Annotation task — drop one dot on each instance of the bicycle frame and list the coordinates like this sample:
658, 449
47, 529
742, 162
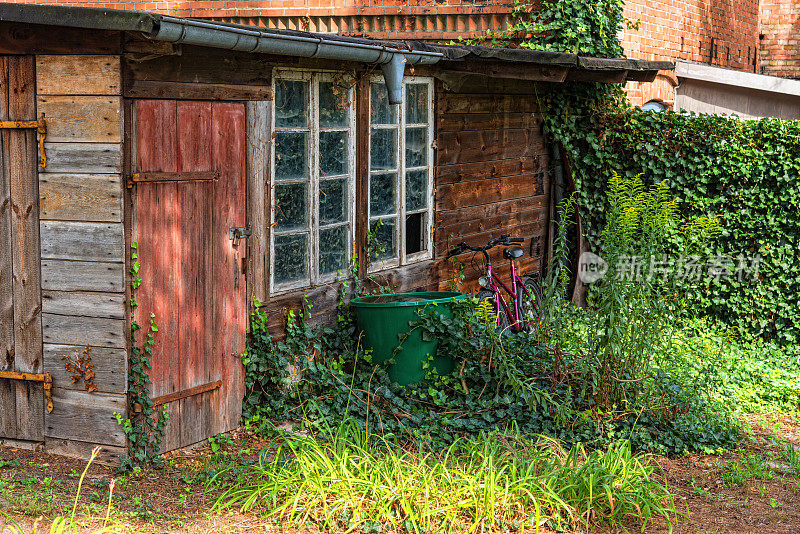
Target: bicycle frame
495, 284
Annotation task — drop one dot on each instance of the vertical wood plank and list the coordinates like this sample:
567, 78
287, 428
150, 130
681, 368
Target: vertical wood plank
362, 171
8, 403
259, 124
229, 316
195, 287
156, 221
23, 165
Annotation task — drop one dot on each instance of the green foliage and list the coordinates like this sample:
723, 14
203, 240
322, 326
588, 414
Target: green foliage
320, 376
585, 27
145, 427
741, 171
747, 375
749, 465
494, 481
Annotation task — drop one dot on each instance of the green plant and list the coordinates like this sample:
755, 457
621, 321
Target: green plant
217, 442
750, 465
145, 426
492, 481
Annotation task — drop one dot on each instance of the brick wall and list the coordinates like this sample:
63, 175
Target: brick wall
780, 41
720, 32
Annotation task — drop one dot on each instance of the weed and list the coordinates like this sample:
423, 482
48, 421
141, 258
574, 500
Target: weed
358, 480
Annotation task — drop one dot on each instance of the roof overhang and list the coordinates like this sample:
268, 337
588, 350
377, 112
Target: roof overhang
760, 82
508, 63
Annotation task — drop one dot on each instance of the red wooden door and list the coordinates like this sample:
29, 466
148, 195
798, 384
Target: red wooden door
192, 276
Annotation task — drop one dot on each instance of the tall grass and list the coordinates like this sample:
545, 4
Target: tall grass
492, 481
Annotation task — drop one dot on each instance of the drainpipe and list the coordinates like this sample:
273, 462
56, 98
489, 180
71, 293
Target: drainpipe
392, 60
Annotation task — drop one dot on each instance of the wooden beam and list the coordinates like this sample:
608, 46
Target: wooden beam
78, 74
195, 91
259, 136
20, 165
22, 38
513, 71
186, 393
362, 172
601, 76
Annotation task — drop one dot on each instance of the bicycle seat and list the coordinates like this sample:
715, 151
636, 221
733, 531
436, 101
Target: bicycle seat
513, 253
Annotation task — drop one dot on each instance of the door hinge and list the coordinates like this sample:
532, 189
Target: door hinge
41, 126
45, 379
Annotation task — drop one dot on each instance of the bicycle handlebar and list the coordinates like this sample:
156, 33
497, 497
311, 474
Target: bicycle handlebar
504, 239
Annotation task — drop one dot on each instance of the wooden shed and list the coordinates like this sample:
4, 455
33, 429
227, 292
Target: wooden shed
243, 163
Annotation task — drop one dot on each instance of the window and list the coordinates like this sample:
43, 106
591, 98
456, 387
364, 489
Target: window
400, 172
654, 105
312, 195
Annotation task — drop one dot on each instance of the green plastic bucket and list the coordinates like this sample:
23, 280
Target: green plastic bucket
384, 321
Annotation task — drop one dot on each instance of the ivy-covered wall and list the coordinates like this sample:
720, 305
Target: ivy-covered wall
746, 172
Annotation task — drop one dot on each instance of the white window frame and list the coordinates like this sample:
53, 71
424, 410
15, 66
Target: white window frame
402, 258
313, 229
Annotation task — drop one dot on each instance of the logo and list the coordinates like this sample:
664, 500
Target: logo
591, 268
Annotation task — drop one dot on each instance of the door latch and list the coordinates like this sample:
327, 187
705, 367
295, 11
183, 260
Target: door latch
235, 234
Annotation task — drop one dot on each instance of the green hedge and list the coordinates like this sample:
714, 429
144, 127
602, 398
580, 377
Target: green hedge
747, 172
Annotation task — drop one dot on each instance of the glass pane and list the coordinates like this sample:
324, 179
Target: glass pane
291, 207
333, 201
416, 190
332, 250
381, 111
291, 104
417, 103
415, 233
385, 240
291, 258
333, 105
332, 153
383, 150
416, 147
382, 194
291, 160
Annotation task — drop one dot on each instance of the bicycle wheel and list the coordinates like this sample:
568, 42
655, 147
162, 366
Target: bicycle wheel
530, 304
502, 319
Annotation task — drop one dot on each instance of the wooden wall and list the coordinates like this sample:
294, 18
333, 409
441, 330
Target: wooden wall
491, 173
83, 249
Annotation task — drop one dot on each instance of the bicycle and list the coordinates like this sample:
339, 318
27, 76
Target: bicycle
526, 314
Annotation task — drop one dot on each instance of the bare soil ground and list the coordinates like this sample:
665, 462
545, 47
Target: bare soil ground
36, 487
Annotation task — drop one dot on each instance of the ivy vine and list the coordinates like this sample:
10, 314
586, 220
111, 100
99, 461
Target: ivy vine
145, 426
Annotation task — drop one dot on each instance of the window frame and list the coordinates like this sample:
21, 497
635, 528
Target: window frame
313, 78
402, 257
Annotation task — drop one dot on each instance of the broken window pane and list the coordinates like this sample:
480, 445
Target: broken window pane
332, 249
386, 241
291, 258
416, 147
291, 206
333, 201
382, 194
332, 153
291, 155
416, 103
333, 105
383, 149
415, 233
291, 104
416, 190
381, 111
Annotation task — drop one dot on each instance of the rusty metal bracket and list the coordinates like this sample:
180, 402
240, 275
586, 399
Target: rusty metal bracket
183, 176
45, 379
178, 395
41, 126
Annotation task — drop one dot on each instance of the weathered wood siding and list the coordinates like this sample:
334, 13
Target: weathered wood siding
21, 402
491, 174
83, 248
